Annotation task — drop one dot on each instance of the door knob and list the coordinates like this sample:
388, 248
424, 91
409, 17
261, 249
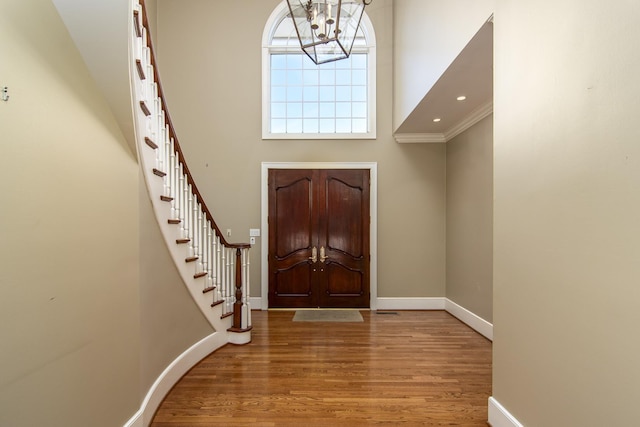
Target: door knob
314, 255
322, 255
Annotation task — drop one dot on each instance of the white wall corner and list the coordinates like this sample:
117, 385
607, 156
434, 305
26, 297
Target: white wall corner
436, 303
471, 319
500, 417
420, 138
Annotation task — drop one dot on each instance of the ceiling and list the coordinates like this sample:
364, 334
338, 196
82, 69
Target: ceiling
471, 75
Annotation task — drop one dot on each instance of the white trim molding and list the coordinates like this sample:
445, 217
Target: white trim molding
440, 138
499, 416
172, 373
474, 117
256, 303
471, 319
420, 138
424, 303
136, 420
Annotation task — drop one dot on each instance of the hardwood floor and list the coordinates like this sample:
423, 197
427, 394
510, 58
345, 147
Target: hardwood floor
413, 368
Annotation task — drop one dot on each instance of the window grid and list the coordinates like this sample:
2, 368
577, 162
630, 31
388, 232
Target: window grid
322, 99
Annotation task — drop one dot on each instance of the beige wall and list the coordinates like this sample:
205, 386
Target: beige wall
170, 321
69, 317
567, 212
213, 90
428, 36
470, 219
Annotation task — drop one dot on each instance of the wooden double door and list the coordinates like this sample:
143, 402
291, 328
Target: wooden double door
319, 238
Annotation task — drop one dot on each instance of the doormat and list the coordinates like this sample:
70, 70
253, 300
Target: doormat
327, 316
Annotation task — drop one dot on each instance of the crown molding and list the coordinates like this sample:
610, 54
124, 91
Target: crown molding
440, 138
474, 117
419, 138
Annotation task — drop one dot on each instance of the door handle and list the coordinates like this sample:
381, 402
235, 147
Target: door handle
314, 255
322, 255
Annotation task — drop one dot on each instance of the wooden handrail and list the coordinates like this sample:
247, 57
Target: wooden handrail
178, 149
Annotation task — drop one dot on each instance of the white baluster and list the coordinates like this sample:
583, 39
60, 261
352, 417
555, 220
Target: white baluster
223, 274
208, 256
189, 215
216, 268
182, 216
175, 193
201, 243
148, 72
167, 162
246, 310
195, 229
230, 282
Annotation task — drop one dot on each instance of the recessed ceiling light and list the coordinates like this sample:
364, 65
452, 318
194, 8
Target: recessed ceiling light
461, 98
437, 119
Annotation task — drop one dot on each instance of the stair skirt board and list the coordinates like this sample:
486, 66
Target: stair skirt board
172, 374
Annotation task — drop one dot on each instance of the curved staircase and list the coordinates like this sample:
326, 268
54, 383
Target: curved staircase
215, 271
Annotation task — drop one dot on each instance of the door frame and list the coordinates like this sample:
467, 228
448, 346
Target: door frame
373, 227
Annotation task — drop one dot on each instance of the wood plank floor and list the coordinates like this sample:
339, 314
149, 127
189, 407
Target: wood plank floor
413, 368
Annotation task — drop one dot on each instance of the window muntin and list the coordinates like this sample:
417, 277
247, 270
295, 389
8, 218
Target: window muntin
326, 99
302, 100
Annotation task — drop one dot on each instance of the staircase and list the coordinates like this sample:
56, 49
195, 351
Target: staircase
215, 271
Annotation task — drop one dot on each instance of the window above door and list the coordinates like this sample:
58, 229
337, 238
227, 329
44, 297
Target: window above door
302, 100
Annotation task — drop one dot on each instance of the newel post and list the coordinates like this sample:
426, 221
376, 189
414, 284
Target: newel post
237, 306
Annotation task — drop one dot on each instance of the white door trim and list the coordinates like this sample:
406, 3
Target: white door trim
373, 230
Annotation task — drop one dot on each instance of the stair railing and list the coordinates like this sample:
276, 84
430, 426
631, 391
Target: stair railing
223, 266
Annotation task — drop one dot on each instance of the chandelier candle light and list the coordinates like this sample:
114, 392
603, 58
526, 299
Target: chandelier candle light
327, 29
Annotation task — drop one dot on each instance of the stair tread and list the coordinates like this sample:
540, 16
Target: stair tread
199, 275
150, 143
140, 69
144, 108
136, 23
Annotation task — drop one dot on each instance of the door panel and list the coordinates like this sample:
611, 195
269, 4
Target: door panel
344, 232
327, 210
290, 246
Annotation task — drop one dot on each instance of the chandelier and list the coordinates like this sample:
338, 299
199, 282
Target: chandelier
327, 29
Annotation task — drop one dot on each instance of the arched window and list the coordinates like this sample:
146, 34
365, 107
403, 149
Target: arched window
302, 100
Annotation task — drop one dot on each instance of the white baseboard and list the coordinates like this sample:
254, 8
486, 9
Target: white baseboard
500, 417
426, 303
471, 319
136, 420
256, 303
172, 374
436, 303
